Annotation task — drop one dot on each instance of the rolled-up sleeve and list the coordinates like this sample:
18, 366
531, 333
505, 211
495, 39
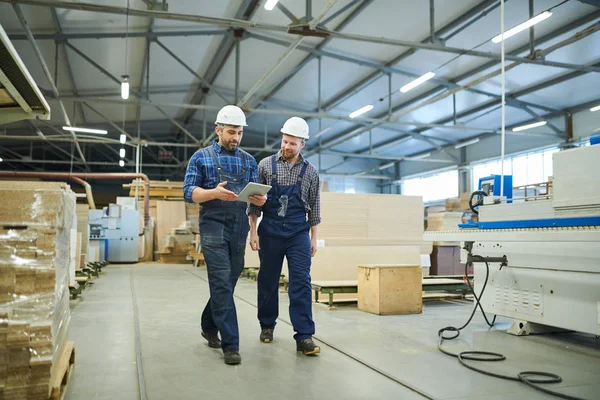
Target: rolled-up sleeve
193, 177
314, 201
256, 176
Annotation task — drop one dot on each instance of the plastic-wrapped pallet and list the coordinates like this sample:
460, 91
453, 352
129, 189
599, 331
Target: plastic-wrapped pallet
35, 222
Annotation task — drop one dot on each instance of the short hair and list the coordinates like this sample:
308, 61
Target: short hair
222, 126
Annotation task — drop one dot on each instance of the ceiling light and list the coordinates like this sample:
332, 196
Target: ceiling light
123, 138
0, 159
361, 111
122, 153
270, 4
121, 163
386, 166
521, 27
321, 132
85, 130
417, 82
419, 157
529, 126
595, 108
467, 143
125, 87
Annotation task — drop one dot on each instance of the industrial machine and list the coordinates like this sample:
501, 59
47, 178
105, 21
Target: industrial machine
543, 255
117, 229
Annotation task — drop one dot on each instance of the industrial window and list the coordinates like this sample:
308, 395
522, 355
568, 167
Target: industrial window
433, 187
526, 169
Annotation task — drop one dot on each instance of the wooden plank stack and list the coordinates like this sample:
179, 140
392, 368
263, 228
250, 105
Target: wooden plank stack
35, 223
363, 229
177, 246
458, 204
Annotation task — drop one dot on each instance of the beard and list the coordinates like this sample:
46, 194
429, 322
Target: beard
231, 145
288, 154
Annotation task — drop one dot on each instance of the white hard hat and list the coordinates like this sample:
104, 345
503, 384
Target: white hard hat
296, 126
231, 115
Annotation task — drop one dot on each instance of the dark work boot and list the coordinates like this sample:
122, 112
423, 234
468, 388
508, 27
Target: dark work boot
266, 335
232, 357
308, 347
213, 339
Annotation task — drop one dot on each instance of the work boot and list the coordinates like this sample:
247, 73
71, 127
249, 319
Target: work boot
232, 357
266, 335
213, 339
308, 347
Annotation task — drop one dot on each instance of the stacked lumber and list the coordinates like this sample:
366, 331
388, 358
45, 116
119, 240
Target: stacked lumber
177, 246
196, 252
444, 221
36, 219
83, 227
158, 189
363, 229
458, 204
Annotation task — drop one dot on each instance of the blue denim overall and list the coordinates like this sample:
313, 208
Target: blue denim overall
284, 232
223, 232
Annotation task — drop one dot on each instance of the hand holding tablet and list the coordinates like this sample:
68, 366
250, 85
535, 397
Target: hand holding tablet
253, 189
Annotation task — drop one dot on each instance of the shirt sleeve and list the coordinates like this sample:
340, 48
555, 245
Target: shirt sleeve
314, 200
193, 177
259, 173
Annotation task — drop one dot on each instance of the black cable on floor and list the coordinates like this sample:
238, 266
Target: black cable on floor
138, 342
360, 361
530, 378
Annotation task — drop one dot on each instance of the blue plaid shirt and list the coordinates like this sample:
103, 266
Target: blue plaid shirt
202, 170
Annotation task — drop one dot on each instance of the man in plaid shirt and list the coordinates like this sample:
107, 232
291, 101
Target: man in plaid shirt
214, 178
292, 211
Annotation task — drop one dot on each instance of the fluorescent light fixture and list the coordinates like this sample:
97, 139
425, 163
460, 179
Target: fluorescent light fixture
122, 153
417, 82
321, 132
521, 27
361, 111
467, 143
386, 166
529, 126
419, 157
123, 138
85, 130
125, 87
270, 4
121, 163
597, 108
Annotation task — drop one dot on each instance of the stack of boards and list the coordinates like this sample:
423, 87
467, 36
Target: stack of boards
363, 229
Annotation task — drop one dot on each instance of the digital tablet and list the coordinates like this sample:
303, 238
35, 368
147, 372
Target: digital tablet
253, 189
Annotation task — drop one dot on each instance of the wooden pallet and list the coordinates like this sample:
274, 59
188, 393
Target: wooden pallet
61, 373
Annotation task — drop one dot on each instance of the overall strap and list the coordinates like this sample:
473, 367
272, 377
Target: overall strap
215, 157
244, 156
302, 172
273, 170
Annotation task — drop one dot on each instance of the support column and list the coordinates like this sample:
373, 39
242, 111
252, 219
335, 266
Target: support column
464, 173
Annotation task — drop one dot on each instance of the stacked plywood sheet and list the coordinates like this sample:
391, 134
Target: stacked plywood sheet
444, 221
458, 204
36, 219
363, 229
177, 246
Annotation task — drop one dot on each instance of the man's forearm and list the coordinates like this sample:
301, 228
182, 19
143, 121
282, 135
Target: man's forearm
200, 195
252, 218
313, 232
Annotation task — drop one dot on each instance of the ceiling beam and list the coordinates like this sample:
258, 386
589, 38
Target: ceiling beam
243, 15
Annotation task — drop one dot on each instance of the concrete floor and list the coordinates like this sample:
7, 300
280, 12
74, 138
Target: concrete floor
177, 364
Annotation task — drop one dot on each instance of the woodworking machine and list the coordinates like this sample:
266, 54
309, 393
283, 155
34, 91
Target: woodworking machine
543, 254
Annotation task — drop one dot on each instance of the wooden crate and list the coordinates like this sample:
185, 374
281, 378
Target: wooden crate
390, 289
